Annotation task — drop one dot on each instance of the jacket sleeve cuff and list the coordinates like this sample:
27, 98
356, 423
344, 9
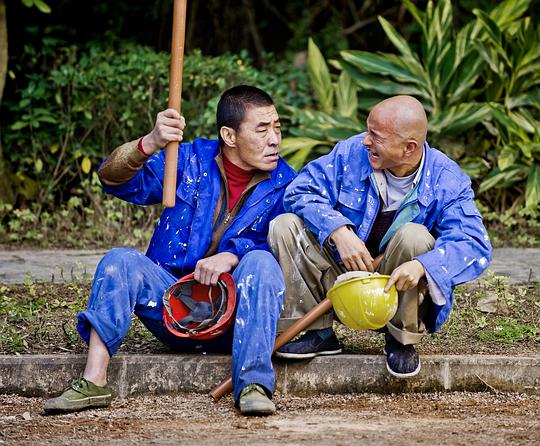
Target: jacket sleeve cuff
434, 291
436, 272
240, 247
336, 222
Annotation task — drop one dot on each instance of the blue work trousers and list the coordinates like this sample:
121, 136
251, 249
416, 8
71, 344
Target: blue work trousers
128, 282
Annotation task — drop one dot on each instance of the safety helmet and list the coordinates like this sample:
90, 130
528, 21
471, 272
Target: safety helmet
197, 311
360, 302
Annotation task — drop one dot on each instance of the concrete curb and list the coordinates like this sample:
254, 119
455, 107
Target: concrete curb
40, 375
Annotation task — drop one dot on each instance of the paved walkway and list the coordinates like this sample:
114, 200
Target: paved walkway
519, 264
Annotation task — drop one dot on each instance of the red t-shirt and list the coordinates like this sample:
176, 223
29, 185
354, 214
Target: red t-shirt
237, 179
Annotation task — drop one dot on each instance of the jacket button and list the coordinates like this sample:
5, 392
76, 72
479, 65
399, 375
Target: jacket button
268, 201
247, 246
205, 174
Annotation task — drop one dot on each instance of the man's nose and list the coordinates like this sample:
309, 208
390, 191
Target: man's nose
366, 141
273, 138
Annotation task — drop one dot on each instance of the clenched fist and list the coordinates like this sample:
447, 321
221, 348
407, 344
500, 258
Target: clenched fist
169, 127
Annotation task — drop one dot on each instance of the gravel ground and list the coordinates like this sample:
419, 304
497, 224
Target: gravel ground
421, 419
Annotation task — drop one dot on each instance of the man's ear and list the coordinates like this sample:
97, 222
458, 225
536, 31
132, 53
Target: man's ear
411, 147
228, 135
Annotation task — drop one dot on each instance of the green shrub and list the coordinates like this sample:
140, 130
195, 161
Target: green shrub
82, 102
479, 85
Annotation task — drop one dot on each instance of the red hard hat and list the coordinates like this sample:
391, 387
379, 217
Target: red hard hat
197, 311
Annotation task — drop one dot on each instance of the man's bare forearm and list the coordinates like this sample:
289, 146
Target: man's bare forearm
122, 165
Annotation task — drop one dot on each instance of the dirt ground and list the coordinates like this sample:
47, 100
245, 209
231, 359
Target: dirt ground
421, 419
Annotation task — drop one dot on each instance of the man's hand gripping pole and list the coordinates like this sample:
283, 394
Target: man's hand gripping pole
175, 98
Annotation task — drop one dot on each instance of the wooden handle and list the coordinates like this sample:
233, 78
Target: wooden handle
175, 98
225, 387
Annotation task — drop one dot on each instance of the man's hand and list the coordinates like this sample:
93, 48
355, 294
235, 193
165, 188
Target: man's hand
352, 250
406, 276
208, 270
169, 127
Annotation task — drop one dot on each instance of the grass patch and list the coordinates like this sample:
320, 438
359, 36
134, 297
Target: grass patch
40, 317
512, 325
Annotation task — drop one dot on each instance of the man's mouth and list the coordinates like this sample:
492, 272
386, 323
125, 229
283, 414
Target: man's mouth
273, 155
373, 155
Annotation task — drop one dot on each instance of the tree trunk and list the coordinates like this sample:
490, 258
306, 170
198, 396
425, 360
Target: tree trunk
6, 189
3, 47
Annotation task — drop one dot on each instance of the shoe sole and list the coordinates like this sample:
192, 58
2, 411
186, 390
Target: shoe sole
306, 355
90, 402
258, 409
403, 375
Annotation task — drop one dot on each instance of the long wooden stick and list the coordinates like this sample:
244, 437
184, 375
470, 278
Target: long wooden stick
175, 98
315, 313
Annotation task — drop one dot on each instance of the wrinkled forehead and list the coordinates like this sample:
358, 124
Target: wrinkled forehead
384, 120
255, 115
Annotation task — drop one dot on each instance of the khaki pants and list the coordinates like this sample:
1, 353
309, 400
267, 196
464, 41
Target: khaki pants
310, 273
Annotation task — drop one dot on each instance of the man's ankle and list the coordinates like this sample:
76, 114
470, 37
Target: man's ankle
98, 380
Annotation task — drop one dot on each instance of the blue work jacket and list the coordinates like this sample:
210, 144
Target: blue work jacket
184, 232
340, 189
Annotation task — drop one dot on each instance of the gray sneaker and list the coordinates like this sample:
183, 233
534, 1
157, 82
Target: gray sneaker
254, 401
81, 394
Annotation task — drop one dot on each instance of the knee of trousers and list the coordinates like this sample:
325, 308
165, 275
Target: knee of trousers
283, 229
121, 256
261, 270
413, 238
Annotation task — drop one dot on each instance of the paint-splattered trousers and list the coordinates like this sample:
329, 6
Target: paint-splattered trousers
310, 272
128, 282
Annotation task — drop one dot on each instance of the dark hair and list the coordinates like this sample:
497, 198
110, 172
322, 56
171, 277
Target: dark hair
233, 104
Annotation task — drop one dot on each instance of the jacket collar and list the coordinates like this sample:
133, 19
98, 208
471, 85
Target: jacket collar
208, 149
425, 187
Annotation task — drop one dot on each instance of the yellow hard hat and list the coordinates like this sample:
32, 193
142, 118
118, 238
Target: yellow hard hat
360, 301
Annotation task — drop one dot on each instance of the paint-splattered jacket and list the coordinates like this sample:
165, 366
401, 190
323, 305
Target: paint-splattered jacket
183, 233
340, 189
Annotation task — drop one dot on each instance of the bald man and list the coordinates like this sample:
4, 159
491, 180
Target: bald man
381, 201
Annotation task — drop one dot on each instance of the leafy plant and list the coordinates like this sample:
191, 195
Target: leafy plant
80, 103
443, 74
314, 132
479, 85
513, 89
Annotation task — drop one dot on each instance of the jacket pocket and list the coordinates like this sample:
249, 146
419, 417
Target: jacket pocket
469, 208
351, 199
352, 205
187, 193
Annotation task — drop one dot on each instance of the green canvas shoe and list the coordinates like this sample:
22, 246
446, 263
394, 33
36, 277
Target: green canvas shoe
254, 401
81, 394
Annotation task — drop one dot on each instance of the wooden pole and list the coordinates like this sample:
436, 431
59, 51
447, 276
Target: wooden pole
175, 98
225, 387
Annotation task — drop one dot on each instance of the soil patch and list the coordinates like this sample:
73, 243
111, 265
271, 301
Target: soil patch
421, 419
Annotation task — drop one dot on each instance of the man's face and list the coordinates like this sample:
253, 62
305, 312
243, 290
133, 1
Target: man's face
386, 147
258, 139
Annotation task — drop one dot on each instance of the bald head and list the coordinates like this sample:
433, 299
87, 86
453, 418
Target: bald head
404, 116
395, 135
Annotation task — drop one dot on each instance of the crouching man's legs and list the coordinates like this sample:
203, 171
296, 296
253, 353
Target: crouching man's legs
260, 291
125, 281
407, 327
309, 273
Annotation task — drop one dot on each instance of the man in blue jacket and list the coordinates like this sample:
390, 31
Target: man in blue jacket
383, 200
227, 193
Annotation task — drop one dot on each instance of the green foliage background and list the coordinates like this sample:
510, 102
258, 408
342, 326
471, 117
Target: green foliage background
477, 72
